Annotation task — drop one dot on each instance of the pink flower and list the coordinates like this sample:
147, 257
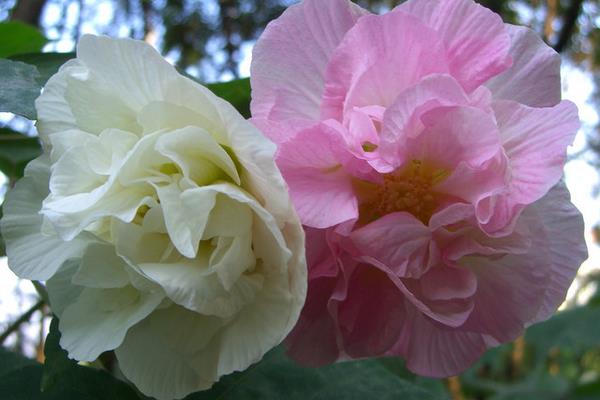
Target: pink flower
424, 150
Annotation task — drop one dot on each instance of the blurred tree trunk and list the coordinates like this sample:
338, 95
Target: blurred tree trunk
28, 11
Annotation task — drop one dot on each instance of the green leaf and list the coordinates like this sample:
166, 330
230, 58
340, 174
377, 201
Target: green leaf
47, 64
276, 377
236, 92
576, 330
57, 361
10, 361
2, 245
16, 150
17, 38
21, 378
19, 87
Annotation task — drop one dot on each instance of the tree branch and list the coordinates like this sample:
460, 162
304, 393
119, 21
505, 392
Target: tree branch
21, 320
568, 26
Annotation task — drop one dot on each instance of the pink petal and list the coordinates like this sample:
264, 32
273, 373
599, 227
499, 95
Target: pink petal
535, 141
313, 341
320, 188
446, 283
534, 78
371, 66
475, 37
399, 241
403, 118
372, 315
453, 135
437, 351
289, 59
561, 241
510, 291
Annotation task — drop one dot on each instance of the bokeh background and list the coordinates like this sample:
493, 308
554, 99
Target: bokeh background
212, 40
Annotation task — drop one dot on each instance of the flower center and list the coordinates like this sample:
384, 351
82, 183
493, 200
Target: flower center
409, 189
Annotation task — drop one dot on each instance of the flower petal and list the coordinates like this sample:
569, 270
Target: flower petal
100, 318
398, 240
371, 66
289, 59
534, 77
436, 351
320, 189
157, 353
535, 141
22, 226
475, 37
373, 304
563, 241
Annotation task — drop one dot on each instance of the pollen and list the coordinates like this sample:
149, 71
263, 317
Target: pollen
410, 189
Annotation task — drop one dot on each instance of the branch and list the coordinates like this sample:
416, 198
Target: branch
21, 320
568, 26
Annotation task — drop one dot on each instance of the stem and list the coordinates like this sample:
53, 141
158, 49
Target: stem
22, 319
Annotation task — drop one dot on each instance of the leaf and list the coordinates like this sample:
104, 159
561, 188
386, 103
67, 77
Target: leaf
17, 38
19, 87
576, 330
10, 361
236, 92
276, 377
61, 378
56, 360
16, 150
47, 64
2, 245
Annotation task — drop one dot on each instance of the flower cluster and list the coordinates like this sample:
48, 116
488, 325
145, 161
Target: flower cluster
423, 149
159, 220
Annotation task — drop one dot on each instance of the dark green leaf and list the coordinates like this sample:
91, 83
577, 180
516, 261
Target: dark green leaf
276, 377
10, 361
19, 87
2, 245
17, 38
47, 64
236, 92
576, 330
16, 150
57, 362
21, 378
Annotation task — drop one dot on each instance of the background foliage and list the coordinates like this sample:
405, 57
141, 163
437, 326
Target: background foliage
210, 40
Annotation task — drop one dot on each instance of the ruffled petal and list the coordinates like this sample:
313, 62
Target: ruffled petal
22, 226
398, 240
371, 66
320, 188
534, 77
563, 241
100, 318
535, 141
289, 59
475, 37
157, 353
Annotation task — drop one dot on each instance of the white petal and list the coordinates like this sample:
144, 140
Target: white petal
199, 156
61, 290
131, 69
101, 268
32, 254
100, 318
53, 112
186, 219
157, 353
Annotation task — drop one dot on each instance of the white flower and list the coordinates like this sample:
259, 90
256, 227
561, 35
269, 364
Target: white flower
159, 220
